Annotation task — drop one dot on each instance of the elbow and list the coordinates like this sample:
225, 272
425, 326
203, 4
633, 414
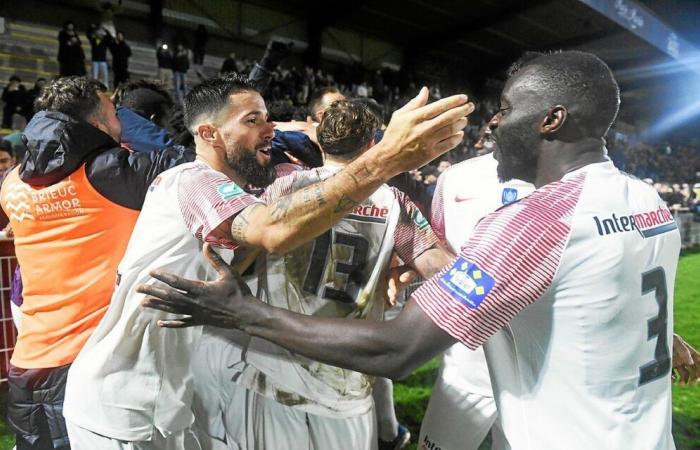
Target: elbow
399, 367
276, 242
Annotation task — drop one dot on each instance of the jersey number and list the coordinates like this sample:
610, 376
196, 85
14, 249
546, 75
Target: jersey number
655, 281
350, 269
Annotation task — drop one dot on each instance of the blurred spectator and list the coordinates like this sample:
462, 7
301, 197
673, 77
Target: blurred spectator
443, 166
164, 57
32, 94
229, 64
71, 58
15, 97
100, 41
201, 36
181, 64
121, 52
7, 156
430, 176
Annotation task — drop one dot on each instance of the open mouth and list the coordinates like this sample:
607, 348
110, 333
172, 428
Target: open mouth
265, 149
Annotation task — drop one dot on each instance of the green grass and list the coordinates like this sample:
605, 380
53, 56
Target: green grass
411, 396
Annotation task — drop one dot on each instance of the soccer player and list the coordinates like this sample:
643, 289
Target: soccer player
461, 410
578, 277
292, 399
131, 384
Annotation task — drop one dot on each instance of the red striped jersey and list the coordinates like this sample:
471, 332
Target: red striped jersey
579, 278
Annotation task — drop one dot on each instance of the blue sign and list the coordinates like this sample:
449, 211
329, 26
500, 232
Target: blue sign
467, 283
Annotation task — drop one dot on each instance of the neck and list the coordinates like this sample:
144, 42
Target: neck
332, 161
560, 158
216, 160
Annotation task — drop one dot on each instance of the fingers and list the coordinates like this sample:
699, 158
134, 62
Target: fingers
177, 282
167, 306
450, 129
216, 261
448, 144
416, 102
448, 117
443, 106
163, 293
408, 276
177, 323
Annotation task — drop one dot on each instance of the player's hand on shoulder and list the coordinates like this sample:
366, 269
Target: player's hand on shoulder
686, 362
398, 279
219, 303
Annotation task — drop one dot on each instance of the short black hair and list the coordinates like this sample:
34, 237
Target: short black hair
576, 78
317, 97
74, 96
6, 146
15, 78
346, 127
212, 95
147, 99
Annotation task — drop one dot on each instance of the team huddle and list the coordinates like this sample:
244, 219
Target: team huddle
556, 333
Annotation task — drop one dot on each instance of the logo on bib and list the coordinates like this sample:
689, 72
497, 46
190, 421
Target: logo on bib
229, 190
420, 220
467, 283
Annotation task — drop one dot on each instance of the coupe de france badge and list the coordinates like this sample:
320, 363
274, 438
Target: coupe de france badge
467, 283
229, 190
509, 195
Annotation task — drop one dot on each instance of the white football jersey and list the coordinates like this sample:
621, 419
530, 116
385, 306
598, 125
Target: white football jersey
579, 277
133, 377
465, 193
336, 275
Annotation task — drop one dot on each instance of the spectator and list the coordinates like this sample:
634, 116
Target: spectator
15, 97
71, 58
181, 64
121, 52
164, 56
229, 65
201, 36
100, 41
443, 166
32, 95
7, 156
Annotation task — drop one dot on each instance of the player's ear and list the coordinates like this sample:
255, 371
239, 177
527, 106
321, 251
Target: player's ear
554, 120
206, 132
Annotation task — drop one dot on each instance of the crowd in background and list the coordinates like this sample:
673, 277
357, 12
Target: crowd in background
673, 169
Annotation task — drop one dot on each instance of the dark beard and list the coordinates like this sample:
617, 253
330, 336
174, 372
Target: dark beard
520, 161
248, 167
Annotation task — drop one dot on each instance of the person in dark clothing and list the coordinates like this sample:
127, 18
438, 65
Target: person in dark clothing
164, 57
229, 65
71, 58
201, 36
181, 64
32, 95
74, 154
121, 52
14, 95
100, 40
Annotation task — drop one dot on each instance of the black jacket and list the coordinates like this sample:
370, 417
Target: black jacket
58, 145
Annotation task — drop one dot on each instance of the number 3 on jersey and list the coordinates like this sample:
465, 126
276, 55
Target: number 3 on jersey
348, 269
655, 281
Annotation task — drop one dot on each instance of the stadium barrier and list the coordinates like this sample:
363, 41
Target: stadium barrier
8, 262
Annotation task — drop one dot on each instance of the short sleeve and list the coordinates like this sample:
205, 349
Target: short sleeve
507, 264
208, 202
413, 234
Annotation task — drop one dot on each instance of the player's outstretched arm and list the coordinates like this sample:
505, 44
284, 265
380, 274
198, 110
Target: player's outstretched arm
391, 349
418, 133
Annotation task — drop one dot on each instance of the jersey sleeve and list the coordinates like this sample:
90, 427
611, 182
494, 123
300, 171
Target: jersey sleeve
507, 264
287, 184
208, 202
413, 234
437, 208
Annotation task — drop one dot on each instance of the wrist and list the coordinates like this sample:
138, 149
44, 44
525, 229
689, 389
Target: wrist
380, 162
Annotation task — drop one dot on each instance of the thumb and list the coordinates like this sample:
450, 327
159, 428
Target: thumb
222, 269
408, 276
416, 102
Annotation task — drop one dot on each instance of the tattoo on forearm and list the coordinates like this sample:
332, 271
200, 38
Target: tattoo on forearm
318, 194
344, 204
239, 226
282, 206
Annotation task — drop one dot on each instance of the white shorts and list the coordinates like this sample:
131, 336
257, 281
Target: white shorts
457, 420
255, 422
83, 439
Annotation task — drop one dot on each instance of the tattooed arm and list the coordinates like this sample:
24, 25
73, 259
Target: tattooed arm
417, 134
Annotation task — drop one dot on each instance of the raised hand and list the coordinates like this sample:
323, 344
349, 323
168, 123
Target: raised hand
217, 303
420, 132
